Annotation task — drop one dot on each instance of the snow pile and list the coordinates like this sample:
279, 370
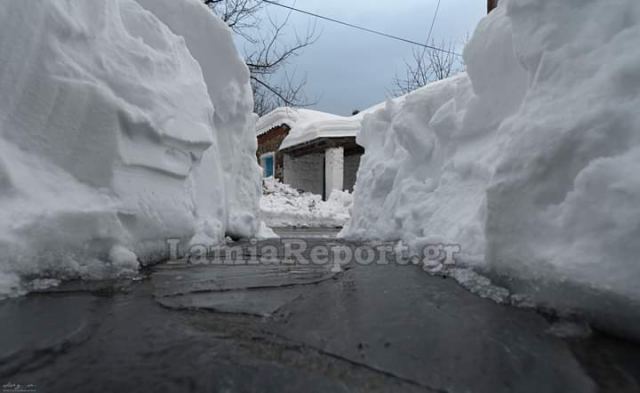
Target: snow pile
109, 141
398, 190
528, 162
283, 206
227, 80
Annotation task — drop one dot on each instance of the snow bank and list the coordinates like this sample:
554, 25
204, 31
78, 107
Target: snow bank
227, 80
528, 162
406, 150
109, 142
283, 206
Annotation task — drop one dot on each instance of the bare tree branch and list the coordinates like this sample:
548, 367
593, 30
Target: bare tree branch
288, 92
268, 52
427, 66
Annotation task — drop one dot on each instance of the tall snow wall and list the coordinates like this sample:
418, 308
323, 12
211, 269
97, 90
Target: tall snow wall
118, 131
528, 161
227, 80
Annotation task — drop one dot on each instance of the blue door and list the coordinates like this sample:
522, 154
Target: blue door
267, 165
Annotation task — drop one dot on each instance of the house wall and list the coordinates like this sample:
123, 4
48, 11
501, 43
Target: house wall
324, 165
351, 165
270, 142
305, 172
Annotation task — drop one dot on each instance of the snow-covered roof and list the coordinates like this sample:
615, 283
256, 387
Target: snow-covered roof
307, 125
290, 117
338, 127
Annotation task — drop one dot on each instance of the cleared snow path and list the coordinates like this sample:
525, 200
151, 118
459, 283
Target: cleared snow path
283, 327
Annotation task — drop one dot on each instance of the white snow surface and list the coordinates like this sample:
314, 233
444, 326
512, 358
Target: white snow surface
290, 116
529, 161
112, 139
227, 80
283, 206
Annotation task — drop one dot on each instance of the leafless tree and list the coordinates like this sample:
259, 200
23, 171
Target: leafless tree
426, 66
266, 52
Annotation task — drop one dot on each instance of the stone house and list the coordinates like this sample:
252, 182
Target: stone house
269, 157
311, 151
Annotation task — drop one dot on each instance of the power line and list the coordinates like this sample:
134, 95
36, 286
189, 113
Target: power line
393, 37
433, 22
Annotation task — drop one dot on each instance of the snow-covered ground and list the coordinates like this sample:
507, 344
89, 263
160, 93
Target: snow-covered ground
283, 206
529, 161
119, 128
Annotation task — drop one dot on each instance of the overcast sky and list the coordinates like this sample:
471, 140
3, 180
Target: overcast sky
349, 69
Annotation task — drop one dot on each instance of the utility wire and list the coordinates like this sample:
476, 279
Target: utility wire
426, 46
433, 22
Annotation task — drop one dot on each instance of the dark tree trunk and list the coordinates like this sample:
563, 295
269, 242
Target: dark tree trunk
491, 4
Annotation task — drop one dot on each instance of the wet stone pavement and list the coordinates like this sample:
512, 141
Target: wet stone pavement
287, 327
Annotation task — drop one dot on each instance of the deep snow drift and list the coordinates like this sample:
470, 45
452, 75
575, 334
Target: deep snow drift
283, 206
529, 162
227, 80
112, 140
